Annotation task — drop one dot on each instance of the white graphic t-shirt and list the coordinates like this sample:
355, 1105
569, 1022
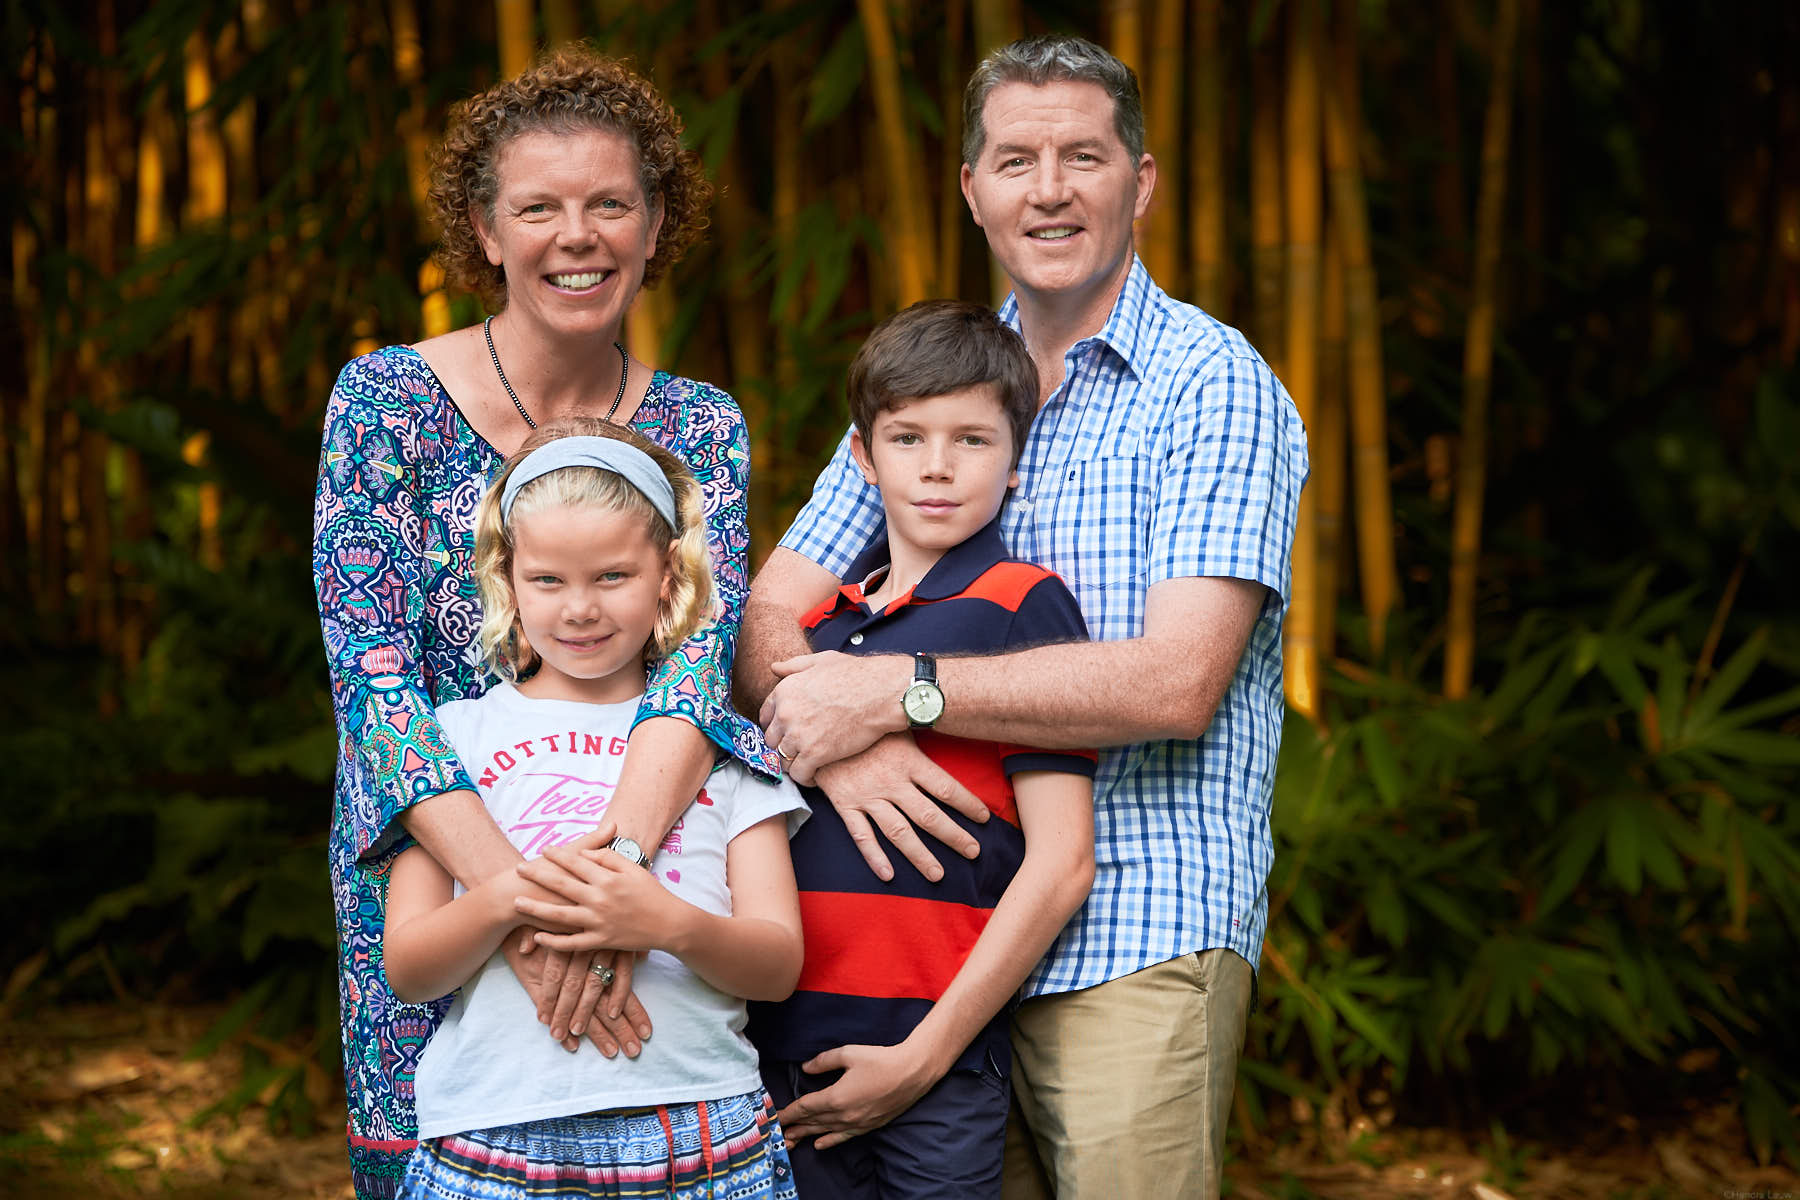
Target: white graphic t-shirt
546, 769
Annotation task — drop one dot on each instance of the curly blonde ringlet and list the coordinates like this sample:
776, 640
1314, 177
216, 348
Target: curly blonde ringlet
690, 600
569, 89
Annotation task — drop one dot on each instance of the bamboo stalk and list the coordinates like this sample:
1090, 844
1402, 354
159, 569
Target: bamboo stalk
1304, 218
561, 22
1159, 230
14, 380
1327, 440
1125, 32
1478, 362
1446, 181
997, 23
785, 202
1267, 257
1206, 164
516, 22
1376, 571
746, 334
44, 508
951, 218
205, 204
909, 240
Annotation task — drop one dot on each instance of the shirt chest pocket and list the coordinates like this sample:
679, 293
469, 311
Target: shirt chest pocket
1091, 527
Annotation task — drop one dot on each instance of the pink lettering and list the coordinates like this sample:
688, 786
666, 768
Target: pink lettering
551, 738
526, 747
591, 744
503, 760
617, 746
488, 778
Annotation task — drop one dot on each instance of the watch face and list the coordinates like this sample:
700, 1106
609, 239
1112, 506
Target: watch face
630, 849
924, 702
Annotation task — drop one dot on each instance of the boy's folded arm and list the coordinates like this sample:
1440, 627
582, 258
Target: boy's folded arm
1056, 812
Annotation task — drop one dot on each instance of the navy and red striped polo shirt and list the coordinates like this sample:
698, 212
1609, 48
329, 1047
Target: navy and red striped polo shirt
879, 955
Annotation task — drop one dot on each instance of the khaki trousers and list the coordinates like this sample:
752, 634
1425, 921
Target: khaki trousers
1124, 1089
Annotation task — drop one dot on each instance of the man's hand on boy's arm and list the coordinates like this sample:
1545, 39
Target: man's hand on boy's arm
892, 787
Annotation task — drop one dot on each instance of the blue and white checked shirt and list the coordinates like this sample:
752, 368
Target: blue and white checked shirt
1170, 451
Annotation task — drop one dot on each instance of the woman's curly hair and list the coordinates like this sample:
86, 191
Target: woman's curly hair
569, 89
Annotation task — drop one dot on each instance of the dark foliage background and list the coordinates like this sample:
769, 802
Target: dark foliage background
1517, 906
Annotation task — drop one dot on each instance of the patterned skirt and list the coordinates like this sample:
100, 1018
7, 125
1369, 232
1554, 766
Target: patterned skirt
715, 1150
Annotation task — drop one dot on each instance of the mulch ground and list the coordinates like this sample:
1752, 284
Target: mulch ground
102, 1102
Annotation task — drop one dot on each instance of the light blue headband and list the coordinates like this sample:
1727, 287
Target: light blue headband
607, 454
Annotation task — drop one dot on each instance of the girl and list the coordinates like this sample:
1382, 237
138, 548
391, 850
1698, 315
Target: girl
591, 559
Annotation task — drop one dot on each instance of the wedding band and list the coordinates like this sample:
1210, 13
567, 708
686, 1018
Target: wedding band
603, 974
784, 752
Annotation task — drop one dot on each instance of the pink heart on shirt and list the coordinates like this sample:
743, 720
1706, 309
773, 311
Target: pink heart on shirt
672, 875
703, 798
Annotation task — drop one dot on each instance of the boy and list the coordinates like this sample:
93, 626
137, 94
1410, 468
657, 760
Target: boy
896, 1035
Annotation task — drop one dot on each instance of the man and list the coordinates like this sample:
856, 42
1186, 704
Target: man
1161, 481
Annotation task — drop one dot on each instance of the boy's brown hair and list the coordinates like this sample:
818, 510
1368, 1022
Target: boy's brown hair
940, 346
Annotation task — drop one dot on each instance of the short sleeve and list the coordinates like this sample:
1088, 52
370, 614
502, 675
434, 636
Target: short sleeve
1046, 614
367, 559
842, 517
1229, 475
693, 682
755, 799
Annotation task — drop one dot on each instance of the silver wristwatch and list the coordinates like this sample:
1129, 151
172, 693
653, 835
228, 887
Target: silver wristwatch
923, 699
633, 852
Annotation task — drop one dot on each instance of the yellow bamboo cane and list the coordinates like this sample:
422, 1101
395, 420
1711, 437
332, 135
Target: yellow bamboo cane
1159, 232
747, 321
909, 241
205, 205
1327, 441
1267, 253
1206, 163
1368, 400
951, 218
1304, 217
997, 23
515, 21
1478, 362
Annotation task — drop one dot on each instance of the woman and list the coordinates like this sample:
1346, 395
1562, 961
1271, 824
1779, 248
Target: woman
559, 194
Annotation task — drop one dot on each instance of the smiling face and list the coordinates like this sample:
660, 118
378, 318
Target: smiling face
944, 464
1056, 191
571, 228
588, 583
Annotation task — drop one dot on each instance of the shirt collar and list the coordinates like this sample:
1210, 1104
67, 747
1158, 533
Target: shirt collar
1124, 330
950, 576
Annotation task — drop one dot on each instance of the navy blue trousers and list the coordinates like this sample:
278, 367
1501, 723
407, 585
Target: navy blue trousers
950, 1145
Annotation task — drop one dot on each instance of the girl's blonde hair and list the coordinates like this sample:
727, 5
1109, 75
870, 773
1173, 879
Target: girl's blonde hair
690, 599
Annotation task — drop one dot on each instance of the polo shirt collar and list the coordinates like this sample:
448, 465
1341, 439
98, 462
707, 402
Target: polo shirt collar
1124, 330
950, 576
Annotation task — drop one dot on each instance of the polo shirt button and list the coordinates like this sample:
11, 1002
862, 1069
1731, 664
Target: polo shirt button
856, 639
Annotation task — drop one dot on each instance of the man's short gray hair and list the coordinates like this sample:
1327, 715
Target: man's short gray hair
1054, 59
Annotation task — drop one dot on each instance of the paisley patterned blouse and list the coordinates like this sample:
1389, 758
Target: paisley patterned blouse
400, 476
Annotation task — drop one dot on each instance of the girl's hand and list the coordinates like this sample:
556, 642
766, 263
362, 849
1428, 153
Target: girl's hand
614, 904
879, 1083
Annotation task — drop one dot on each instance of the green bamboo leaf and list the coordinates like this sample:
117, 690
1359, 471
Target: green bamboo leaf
1519, 684
1630, 599
837, 77
1624, 853
1671, 689
1384, 767
1757, 747
1575, 845
1372, 1030
1728, 679
1779, 705
1387, 915
1446, 908
1616, 663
